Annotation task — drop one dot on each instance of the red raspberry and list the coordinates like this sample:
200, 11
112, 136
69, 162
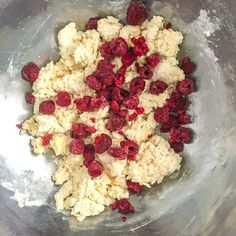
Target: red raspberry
114, 205
121, 133
93, 119
63, 99
30, 72
180, 135
131, 102
162, 115
119, 153
133, 116
134, 187
173, 122
119, 80
140, 110
178, 147
123, 218
76, 146
124, 112
115, 106
157, 87
29, 98
92, 23
106, 92
129, 58
187, 66
168, 25
118, 94
47, 107
103, 143
186, 86
98, 102
115, 122
80, 130
105, 51
140, 46
131, 146
153, 60
177, 102
89, 154
137, 85
93, 83
83, 104
46, 139
108, 79
95, 168
136, 13
104, 67
122, 70
145, 72
118, 46
124, 206
184, 118
182, 104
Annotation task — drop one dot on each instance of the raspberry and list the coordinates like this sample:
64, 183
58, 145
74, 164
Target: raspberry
153, 60
145, 72
121, 133
29, 98
93, 83
118, 94
129, 58
136, 13
140, 46
46, 139
118, 46
105, 51
167, 26
123, 218
98, 102
173, 122
124, 112
139, 110
76, 146
124, 206
122, 70
95, 168
103, 143
182, 103
104, 67
63, 99
114, 106
106, 92
187, 66
130, 102
83, 104
178, 147
131, 158
137, 85
93, 119
115, 122
114, 205
119, 153
107, 79
133, 116
47, 107
180, 135
177, 102
119, 80
80, 130
184, 118
186, 86
134, 187
157, 87
89, 154
162, 115
30, 72
131, 146
92, 23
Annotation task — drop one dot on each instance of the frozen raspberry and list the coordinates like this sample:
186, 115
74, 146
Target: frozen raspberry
187, 66
118, 46
123, 218
129, 58
137, 85
139, 110
114, 105
131, 146
122, 70
119, 153
106, 92
133, 117
131, 102
140, 46
83, 104
118, 94
63, 99
157, 87
106, 51
108, 79
124, 112
29, 98
30, 72
180, 135
92, 23
93, 83
98, 102
89, 154
173, 122
95, 168
124, 206
47, 107
136, 13
186, 86
134, 187
178, 147
76, 146
104, 67
162, 115
115, 122
145, 72
119, 80
184, 118
46, 139
167, 26
103, 143
80, 130
153, 60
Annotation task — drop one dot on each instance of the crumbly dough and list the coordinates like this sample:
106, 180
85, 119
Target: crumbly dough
81, 194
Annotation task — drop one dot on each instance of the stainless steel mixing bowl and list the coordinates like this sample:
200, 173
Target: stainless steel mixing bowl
199, 200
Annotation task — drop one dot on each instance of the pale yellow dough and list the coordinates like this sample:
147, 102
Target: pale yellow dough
79, 51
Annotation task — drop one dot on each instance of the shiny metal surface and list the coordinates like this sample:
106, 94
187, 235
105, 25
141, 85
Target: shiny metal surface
200, 200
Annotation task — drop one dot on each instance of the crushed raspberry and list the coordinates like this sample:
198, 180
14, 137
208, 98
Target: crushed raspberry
114, 205
103, 143
187, 66
106, 52
119, 153
92, 23
122, 70
168, 25
184, 118
186, 86
140, 46
145, 72
47, 107
108, 79
123, 218
114, 105
63, 99
98, 102
115, 122
178, 147
46, 139
134, 187
180, 135
153, 60
133, 116
124, 112
136, 13
119, 80
139, 110
29, 98
19, 126
80, 130
162, 115
106, 92
124, 206
121, 133
83, 104
131, 102
137, 85
30, 72
89, 154
131, 146
129, 58
93, 119
118, 46
118, 94
157, 87
104, 67
93, 83
76, 146
131, 158
95, 168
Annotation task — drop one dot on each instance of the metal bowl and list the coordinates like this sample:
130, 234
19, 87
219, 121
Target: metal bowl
199, 200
